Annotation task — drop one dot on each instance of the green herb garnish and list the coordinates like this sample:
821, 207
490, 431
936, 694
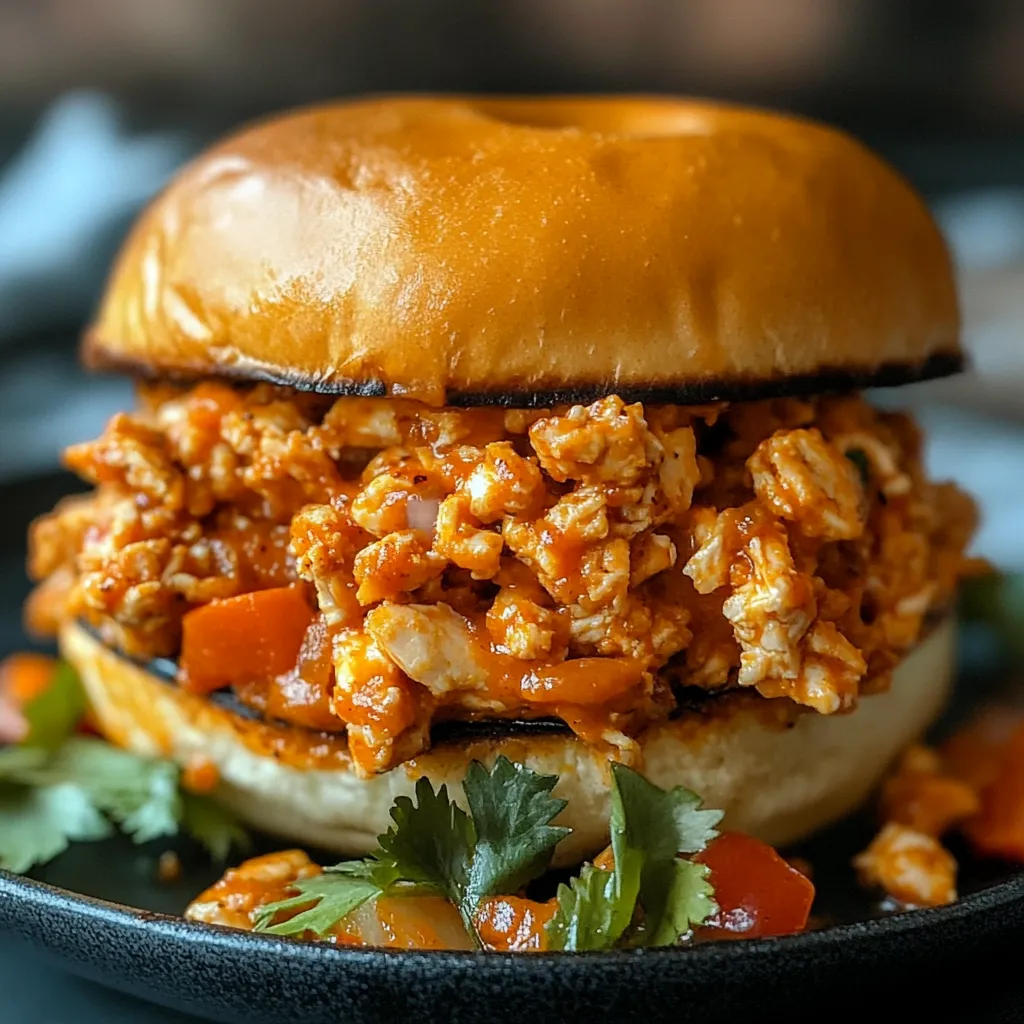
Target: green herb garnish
506, 840
57, 787
434, 847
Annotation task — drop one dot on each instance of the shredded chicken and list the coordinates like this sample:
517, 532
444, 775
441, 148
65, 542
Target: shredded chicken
913, 868
921, 801
791, 546
233, 900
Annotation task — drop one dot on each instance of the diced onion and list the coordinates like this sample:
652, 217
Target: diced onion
421, 514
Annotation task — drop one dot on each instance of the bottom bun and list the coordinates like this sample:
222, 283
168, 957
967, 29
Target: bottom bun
779, 772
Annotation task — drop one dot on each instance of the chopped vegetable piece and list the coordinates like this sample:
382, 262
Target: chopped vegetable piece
757, 892
512, 924
55, 710
320, 902
38, 824
24, 676
650, 827
512, 808
420, 922
13, 724
591, 913
212, 825
237, 899
56, 786
200, 775
435, 847
976, 752
998, 828
251, 636
922, 796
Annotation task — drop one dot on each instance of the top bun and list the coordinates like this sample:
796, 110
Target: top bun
524, 251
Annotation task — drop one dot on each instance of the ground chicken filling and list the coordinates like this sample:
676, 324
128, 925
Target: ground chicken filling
582, 562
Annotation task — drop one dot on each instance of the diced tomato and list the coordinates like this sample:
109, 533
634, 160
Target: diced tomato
24, 676
513, 925
998, 828
251, 636
976, 752
757, 892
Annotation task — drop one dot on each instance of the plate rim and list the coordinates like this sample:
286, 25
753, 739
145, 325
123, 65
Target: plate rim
21, 889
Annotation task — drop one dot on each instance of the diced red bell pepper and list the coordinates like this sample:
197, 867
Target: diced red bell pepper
252, 636
757, 892
998, 828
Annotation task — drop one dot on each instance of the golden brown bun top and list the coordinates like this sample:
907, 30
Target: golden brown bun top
509, 249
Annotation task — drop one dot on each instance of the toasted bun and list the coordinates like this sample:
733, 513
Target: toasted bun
779, 773
527, 250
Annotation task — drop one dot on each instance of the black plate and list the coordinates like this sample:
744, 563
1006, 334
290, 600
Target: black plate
856, 953
233, 976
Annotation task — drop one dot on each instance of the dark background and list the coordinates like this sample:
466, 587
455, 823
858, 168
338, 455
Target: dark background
100, 100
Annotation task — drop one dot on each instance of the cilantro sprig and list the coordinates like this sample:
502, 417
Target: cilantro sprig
651, 896
435, 847
57, 787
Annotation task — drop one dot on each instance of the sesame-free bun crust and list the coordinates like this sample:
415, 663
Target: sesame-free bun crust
778, 772
522, 250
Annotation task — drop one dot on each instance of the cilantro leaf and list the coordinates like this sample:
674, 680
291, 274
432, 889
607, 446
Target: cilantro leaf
430, 842
38, 824
54, 713
17, 761
333, 895
212, 825
139, 793
650, 827
512, 808
588, 914
690, 902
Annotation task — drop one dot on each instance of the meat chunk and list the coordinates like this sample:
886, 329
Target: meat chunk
431, 644
504, 483
233, 901
460, 539
523, 628
651, 553
131, 455
399, 562
324, 543
911, 867
803, 478
924, 797
376, 700
607, 442
770, 610
679, 473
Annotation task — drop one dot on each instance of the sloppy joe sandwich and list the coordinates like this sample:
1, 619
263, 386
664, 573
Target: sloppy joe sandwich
470, 427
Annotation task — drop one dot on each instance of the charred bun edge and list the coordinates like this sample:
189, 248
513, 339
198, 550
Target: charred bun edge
778, 774
690, 700
699, 392
166, 669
